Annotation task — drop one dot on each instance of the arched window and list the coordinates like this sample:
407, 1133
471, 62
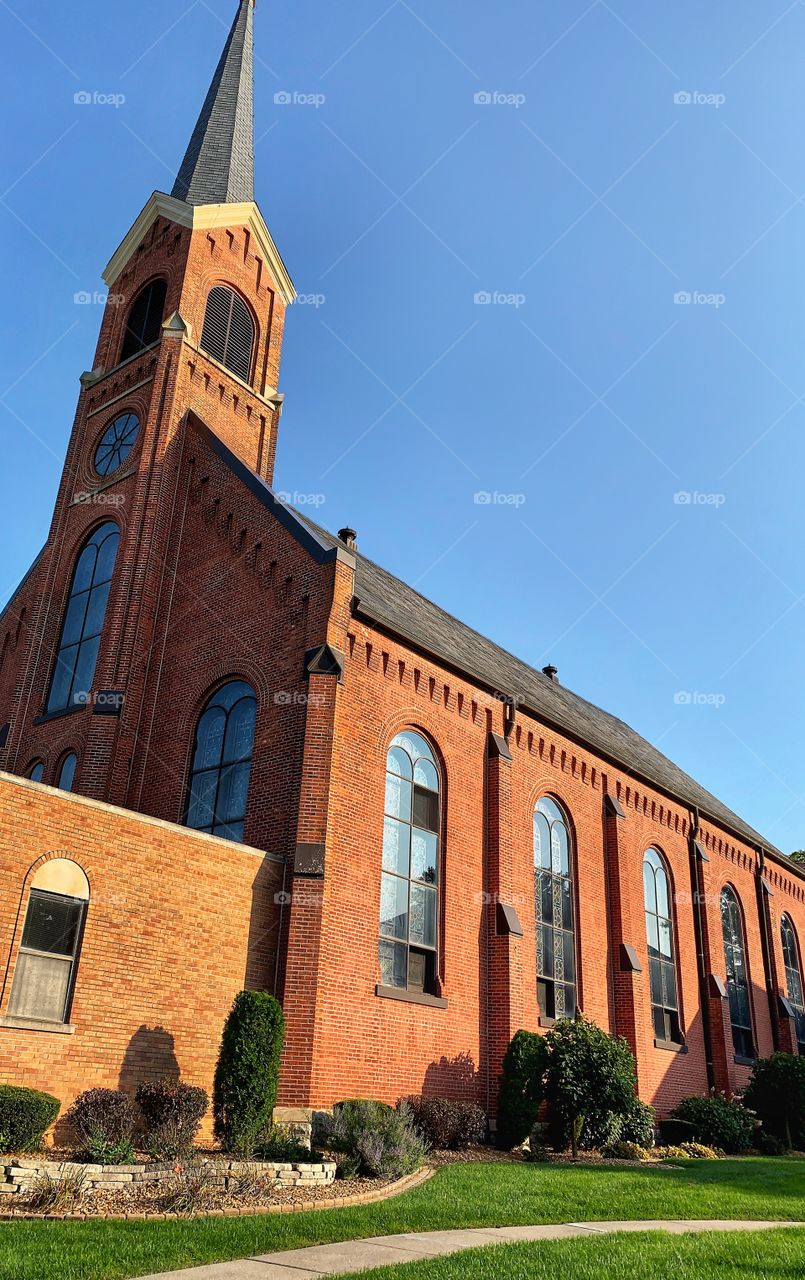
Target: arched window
67, 772
228, 333
553, 903
83, 620
409, 888
36, 771
661, 948
737, 976
116, 443
145, 319
44, 975
222, 762
793, 978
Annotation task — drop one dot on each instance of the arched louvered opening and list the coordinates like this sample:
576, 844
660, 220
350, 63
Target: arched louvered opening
228, 333
145, 319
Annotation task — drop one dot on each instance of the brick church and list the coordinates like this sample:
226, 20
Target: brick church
236, 752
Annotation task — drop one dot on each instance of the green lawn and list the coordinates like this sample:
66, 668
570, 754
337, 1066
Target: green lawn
763, 1255
462, 1195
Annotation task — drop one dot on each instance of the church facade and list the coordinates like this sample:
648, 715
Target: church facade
236, 752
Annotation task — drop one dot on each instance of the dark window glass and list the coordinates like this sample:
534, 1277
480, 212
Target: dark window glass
409, 892
553, 906
737, 977
116, 443
45, 968
83, 620
67, 772
145, 319
793, 979
661, 950
222, 762
37, 771
228, 332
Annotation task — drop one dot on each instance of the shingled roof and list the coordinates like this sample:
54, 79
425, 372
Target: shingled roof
218, 167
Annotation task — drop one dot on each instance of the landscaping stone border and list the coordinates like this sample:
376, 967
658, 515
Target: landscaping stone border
337, 1202
19, 1174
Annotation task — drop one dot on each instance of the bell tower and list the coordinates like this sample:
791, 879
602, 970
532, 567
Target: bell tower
192, 330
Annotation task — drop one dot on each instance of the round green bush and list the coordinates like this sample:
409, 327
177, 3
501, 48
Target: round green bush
776, 1093
103, 1120
589, 1081
25, 1117
173, 1112
247, 1074
719, 1122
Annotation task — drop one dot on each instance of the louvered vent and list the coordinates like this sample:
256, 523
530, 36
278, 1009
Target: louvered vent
228, 333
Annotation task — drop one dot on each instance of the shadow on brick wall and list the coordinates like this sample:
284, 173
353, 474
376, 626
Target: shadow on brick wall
150, 1055
452, 1078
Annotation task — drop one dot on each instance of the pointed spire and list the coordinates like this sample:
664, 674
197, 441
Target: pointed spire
218, 167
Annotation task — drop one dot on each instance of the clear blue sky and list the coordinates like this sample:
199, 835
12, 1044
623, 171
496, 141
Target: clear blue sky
584, 191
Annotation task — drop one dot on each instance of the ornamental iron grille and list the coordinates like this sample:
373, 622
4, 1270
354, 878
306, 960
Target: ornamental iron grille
84, 616
116, 443
222, 762
553, 903
793, 979
409, 883
737, 977
661, 949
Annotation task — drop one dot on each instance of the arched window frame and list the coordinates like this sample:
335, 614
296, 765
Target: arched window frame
792, 961
410, 902
555, 911
67, 771
149, 331
52, 934
76, 659
739, 987
222, 351
658, 901
36, 771
219, 780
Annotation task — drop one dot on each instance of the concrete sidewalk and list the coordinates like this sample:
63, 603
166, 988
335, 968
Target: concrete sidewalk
382, 1251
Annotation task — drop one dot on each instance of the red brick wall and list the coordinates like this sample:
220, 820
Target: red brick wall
177, 924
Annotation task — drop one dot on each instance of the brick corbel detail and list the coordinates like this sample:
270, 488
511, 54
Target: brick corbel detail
505, 942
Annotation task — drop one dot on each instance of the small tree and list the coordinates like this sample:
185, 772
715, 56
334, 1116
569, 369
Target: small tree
776, 1093
521, 1088
587, 1073
247, 1075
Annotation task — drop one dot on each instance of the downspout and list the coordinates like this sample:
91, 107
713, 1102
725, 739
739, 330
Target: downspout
765, 943
697, 889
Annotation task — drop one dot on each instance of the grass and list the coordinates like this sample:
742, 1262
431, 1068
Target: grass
460, 1195
764, 1255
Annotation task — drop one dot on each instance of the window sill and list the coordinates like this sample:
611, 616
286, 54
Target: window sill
544, 1021
47, 716
410, 997
741, 1061
38, 1024
670, 1046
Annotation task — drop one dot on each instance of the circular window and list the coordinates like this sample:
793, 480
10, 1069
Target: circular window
116, 443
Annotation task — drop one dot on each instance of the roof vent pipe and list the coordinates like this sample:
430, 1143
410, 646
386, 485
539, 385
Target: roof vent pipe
349, 538
552, 673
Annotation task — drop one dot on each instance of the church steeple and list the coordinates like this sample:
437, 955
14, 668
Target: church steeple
218, 167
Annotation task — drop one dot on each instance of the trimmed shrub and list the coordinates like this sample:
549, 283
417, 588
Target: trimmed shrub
589, 1079
674, 1132
629, 1151
25, 1117
521, 1089
278, 1144
103, 1121
776, 1093
375, 1140
246, 1078
172, 1112
638, 1125
448, 1125
718, 1122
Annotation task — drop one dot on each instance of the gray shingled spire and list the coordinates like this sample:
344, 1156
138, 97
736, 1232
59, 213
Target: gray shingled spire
218, 167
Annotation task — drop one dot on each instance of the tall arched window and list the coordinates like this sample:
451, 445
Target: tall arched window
661, 949
222, 762
44, 975
228, 333
67, 772
145, 319
743, 1038
83, 620
553, 901
793, 978
36, 771
409, 889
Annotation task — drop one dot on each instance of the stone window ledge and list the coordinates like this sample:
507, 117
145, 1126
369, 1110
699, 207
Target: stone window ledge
410, 997
671, 1046
38, 1024
741, 1061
